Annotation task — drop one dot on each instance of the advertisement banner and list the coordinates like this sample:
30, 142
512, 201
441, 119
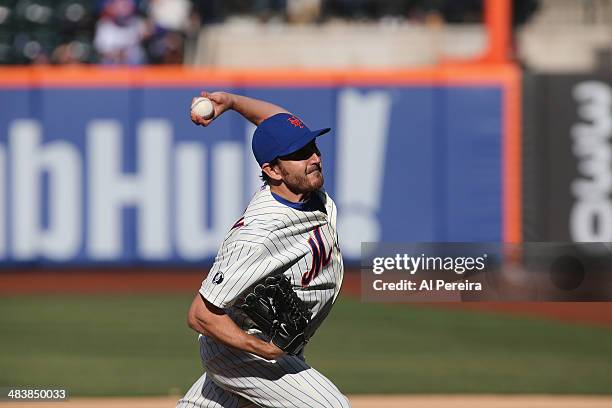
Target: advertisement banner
119, 174
572, 161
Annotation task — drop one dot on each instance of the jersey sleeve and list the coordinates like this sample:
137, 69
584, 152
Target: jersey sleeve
239, 266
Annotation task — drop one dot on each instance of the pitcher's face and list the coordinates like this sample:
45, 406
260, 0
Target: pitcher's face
302, 170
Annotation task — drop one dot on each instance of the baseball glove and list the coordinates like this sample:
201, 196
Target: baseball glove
279, 312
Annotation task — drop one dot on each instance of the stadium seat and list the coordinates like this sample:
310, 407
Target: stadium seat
81, 48
34, 14
31, 46
6, 47
74, 14
7, 14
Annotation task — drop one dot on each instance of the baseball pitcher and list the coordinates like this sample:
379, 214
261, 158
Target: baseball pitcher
275, 278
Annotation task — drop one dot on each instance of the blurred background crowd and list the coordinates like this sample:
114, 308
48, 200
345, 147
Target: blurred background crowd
95, 31
547, 34
138, 32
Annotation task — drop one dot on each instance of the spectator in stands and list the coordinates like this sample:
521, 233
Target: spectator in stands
173, 21
119, 34
211, 11
303, 11
269, 10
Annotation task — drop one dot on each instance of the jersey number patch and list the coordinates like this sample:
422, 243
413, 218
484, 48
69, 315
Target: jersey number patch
320, 257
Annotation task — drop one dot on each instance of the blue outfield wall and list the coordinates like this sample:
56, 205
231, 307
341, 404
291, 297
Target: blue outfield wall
122, 176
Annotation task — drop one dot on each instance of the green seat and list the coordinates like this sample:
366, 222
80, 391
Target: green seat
7, 14
28, 45
81, 47
35, 14
7, 55
74, 14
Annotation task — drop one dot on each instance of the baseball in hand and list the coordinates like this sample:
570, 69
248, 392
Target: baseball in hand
203, 107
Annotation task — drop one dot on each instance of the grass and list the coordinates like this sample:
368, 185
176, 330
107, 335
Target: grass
119, 345
139, 345
396, 348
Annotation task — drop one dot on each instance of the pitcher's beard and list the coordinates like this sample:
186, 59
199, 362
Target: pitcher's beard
306, 183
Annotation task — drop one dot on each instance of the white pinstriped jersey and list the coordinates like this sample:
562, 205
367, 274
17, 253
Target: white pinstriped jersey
272, 237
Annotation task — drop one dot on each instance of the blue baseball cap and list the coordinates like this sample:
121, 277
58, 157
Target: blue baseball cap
280, 135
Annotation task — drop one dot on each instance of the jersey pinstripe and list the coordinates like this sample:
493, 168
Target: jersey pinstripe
237, 379
273, 238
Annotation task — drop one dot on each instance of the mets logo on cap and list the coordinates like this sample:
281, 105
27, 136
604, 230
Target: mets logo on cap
296, 122
280, 135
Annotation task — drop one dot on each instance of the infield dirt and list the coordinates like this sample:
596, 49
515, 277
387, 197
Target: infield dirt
362, 401
164, 280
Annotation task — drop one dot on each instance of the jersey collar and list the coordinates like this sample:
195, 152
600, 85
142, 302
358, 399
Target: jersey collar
312, 204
